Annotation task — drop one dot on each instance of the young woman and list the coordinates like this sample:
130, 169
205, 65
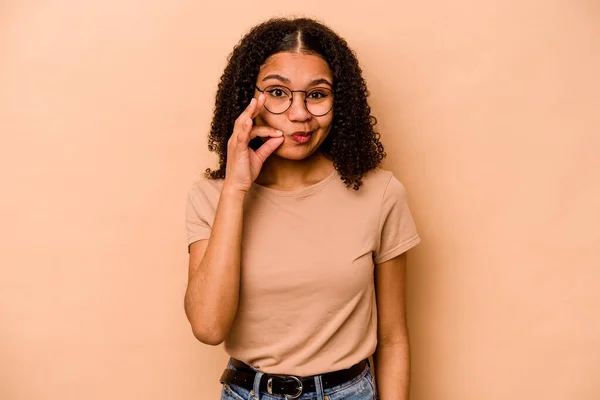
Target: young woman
297, 242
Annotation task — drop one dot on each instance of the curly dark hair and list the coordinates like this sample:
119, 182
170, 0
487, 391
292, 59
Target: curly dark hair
352, 142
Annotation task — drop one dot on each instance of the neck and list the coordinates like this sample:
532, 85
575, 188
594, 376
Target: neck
285, 174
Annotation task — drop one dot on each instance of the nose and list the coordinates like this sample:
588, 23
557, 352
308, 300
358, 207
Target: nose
298, 111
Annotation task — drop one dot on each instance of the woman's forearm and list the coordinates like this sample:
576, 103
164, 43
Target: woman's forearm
392, 370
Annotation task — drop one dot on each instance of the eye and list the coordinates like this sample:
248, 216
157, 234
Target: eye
317, 95
277, 92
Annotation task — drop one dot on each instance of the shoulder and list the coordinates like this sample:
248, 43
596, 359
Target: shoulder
382, 179
384, 187
205, 192
206, 187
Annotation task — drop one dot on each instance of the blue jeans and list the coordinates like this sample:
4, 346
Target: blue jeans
361, 387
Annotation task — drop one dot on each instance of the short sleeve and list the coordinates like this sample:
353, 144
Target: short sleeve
397, 231
197, 225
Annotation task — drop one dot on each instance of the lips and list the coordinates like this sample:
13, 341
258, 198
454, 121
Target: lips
301, 137
301, 133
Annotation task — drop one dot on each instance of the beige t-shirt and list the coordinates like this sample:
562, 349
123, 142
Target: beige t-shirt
307, 300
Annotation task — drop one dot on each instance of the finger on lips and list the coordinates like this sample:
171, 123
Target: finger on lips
265, 131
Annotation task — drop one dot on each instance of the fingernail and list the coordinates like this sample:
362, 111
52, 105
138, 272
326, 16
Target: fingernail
279, 132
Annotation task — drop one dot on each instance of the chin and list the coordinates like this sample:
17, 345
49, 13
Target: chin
292, 154
288, 155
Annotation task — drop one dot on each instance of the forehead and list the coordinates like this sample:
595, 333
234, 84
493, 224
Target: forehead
297, 67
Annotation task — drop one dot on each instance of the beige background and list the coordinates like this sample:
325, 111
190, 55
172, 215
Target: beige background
489, 111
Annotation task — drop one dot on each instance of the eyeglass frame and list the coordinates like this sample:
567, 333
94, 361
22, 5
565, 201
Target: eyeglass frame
292, 100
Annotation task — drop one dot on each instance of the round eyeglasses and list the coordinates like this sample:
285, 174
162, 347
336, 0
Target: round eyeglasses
318, 101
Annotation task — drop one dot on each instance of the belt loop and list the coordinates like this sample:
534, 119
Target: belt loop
256, 388
230, 364
319, 387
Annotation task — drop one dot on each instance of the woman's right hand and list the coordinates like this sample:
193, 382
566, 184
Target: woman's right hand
243, 163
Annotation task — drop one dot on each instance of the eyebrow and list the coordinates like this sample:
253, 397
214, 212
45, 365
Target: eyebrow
286, 80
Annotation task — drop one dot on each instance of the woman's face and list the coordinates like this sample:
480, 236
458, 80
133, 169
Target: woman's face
297, 71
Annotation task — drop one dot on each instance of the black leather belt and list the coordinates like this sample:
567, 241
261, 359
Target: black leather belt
289, 385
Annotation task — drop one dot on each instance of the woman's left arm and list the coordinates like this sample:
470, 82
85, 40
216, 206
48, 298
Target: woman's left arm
392, 356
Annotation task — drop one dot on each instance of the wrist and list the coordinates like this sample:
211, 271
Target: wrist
231, 192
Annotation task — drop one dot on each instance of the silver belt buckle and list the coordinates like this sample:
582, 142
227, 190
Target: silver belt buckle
298, 381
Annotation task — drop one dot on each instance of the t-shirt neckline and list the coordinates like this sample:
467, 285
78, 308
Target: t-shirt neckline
298, 192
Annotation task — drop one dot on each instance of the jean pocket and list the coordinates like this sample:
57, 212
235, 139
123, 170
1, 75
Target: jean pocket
371, 380
233, 392
359, 388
